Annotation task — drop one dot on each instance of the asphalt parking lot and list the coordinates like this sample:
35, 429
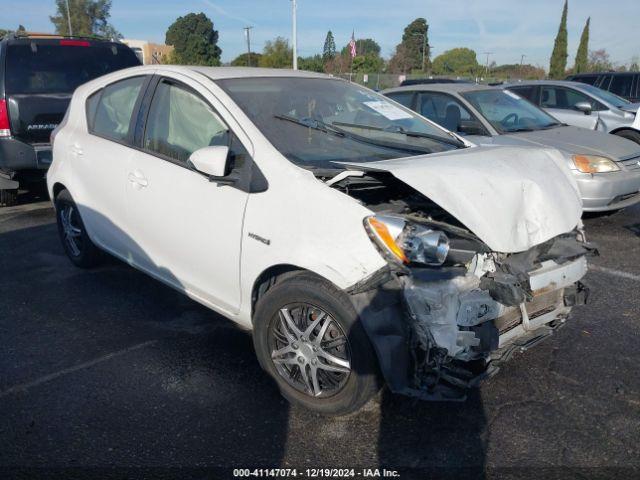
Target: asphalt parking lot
109, 371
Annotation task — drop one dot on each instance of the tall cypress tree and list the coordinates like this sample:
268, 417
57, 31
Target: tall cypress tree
329, 50
582, 59
558, 64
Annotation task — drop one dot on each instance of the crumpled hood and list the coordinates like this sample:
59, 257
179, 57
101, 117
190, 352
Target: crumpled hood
574, 140
512, 198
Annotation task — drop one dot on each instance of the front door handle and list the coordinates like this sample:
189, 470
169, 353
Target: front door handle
137, 179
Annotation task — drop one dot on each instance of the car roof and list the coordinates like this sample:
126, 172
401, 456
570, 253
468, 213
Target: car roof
442, 87
565, 83
220, 73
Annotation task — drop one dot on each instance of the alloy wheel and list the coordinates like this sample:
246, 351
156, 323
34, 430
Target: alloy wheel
310, 350
71, 229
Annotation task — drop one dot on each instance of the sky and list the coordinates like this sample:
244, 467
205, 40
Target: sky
507, 28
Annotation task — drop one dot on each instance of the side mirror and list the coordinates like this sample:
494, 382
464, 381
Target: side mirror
211, 161
471, 127
584, 107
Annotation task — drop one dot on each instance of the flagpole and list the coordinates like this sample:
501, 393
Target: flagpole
351, 53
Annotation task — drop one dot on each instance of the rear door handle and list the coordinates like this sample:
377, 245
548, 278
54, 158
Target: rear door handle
137, 179
76, 150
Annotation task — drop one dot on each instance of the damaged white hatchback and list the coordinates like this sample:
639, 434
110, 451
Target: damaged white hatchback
359, 241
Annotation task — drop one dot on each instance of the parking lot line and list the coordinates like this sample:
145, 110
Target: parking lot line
52, 376
617, 273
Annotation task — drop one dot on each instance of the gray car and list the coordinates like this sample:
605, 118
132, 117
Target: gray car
583, 105
607, 168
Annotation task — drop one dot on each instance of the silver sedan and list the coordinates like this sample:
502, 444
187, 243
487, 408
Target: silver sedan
606, 167
583, 105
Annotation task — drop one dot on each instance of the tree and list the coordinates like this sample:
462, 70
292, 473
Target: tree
367, 64
457, 61
558, 65
242, 60
277, 54
194, 40
88, 17
4, 32
409, 52
515, 70
635, 64
329, 49
364, 46
314, 63
582, 57
599, 61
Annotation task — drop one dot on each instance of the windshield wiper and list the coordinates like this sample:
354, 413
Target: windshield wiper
399, 129
321, 126
520, 129
552, 125
310, 123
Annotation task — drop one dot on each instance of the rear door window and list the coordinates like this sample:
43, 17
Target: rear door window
109, 110
588, 79
526, 91
621, 85
60, 66
404, 98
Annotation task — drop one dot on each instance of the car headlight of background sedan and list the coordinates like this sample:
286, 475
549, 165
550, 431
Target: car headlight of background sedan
594, 164
407, 242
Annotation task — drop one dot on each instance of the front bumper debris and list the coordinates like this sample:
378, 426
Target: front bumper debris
460, 325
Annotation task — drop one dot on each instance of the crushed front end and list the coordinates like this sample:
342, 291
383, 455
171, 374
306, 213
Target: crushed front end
448, 310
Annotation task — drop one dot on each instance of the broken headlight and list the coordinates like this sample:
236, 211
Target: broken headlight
407, 242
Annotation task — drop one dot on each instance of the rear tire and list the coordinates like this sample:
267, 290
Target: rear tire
629, 135
8, 198
342, 343
76, 242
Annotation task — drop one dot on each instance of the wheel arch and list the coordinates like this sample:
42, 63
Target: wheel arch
274, 274
57, 188
624, 129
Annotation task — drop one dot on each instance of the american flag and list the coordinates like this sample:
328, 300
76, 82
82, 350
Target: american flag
352, 44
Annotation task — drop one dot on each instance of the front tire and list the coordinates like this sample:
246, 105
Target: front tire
308, 337
629, 135
76, 242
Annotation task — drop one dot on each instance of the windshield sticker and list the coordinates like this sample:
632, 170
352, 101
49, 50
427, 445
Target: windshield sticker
511, 94
387, 110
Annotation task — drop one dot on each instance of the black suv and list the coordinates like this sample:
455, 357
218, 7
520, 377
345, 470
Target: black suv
623, 84
38, 75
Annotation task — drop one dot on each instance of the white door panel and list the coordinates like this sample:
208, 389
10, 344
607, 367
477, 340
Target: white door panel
188, 229
101, 167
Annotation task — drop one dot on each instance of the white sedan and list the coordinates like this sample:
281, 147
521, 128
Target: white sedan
358, 240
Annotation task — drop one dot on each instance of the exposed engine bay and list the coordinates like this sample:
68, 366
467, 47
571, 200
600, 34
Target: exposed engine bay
465, 308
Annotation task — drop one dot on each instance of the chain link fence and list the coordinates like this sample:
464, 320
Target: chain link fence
381, 81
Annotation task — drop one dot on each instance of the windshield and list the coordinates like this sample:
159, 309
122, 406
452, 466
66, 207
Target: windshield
508, 112
46, 67
603, 95
315, 122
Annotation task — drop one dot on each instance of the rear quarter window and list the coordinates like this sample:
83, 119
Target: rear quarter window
35, 67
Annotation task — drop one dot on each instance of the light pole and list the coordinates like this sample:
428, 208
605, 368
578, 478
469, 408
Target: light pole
247, 31
294, 8
521, 62
424, 48
69, 18
487, 66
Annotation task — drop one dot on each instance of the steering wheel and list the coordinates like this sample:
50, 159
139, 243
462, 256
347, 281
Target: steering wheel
511, 118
